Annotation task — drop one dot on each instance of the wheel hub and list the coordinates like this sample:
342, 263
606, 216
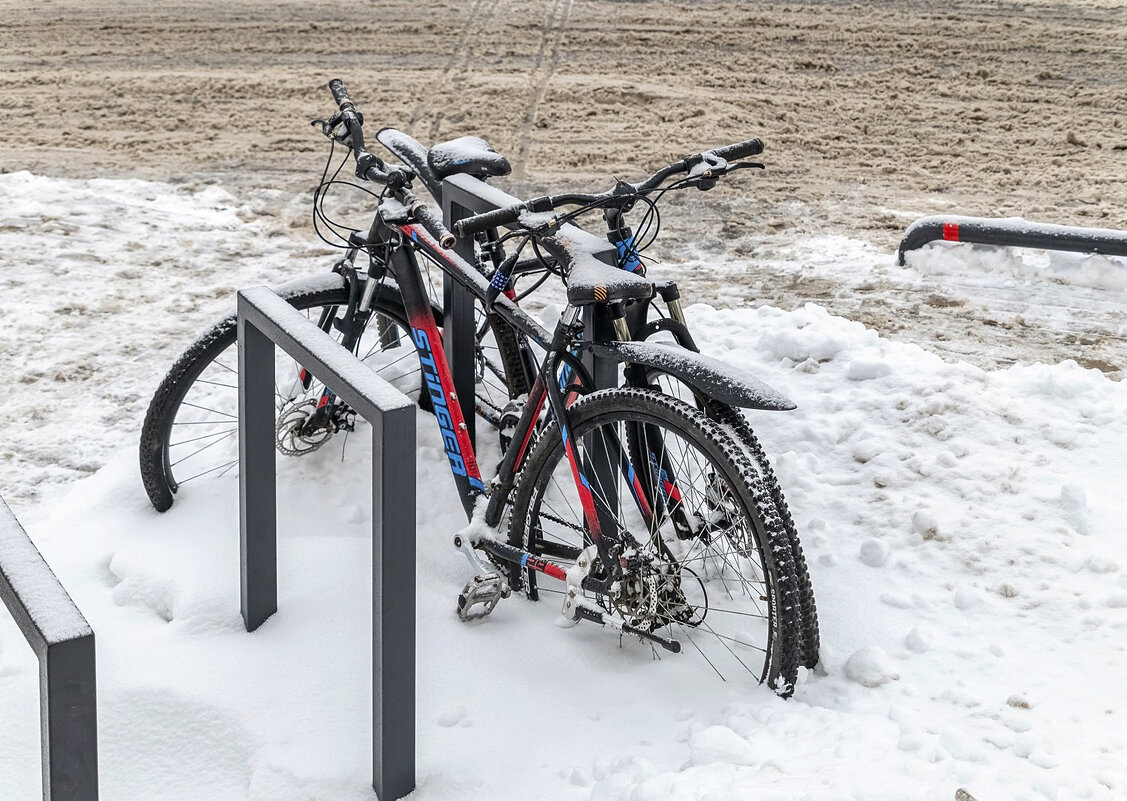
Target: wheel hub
298, 431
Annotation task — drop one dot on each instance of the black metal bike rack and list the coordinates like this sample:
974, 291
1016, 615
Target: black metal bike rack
64, 643
463, 196
1012, 233
266, 321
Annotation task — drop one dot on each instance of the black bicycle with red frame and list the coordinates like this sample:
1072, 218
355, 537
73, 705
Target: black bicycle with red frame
653, 514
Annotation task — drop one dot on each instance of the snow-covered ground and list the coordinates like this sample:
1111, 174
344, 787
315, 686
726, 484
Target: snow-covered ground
964, 529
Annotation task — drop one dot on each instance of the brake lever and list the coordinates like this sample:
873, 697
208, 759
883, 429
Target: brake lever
328, 126
709, 178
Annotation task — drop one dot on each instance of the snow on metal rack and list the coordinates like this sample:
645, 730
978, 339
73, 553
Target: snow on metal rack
64, 643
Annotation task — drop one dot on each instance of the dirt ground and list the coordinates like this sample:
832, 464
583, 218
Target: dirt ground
872, 113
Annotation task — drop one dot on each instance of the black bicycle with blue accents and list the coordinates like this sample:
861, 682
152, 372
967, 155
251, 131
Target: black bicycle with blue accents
647, 508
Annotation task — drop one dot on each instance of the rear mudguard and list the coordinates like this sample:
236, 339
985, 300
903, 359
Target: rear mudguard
710, 377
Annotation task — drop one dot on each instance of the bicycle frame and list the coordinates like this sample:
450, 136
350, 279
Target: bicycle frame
438, 383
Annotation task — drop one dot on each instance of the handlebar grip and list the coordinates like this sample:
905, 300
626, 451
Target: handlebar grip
340, 94
740, 150
422, 213
490, 219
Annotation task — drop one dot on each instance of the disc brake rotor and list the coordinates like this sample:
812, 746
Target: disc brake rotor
293, 436
655, 597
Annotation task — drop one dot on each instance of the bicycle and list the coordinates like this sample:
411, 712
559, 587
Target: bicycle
190, 429
644, 509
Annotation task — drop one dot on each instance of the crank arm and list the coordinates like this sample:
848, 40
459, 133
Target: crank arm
467, 548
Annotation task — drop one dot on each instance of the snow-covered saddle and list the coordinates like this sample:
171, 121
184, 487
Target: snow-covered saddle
471, 155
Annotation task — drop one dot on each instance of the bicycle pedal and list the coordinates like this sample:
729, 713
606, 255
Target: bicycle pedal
481, 595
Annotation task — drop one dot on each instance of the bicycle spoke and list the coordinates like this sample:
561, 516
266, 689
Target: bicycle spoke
227, 465
203, 436
204, 448
213, 411
215, 383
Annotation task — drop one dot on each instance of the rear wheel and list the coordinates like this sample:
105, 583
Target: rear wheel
740, 430
717, 577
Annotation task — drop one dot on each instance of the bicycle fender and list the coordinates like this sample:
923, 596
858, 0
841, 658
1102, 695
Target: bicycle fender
710, 376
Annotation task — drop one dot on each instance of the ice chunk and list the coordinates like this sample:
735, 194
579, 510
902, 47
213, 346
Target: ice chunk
863, 370
918, 640
870, 667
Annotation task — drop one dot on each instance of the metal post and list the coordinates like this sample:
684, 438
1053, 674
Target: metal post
64, 644
69, 708
266, 320
393, 603
459, 329
258, 507
463, 196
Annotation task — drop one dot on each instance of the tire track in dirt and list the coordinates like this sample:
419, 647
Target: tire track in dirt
479, 18
550, 42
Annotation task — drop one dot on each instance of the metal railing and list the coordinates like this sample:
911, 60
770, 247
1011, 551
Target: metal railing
265, 320
64, 643
1012, 233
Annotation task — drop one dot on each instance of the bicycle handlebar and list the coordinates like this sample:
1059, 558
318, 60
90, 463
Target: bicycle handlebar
340, 94
369, 167
510, 214
503, 216
422, 214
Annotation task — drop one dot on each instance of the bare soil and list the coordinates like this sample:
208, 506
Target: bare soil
993, 108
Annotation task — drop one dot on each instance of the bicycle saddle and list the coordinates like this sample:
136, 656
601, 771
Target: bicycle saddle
467, 154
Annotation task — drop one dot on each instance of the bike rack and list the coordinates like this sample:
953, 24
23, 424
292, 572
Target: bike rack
463, 196
64, 643
1012, 233
266, 321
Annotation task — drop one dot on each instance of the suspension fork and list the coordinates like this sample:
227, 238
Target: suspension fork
351, 325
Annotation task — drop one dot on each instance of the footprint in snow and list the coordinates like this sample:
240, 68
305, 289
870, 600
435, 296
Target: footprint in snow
453, 716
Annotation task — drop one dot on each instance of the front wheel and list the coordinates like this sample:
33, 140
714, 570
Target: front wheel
191, 426
715, 571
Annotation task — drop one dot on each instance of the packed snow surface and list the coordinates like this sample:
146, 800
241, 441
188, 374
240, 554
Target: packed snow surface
964, 529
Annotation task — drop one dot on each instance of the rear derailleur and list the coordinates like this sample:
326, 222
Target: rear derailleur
631, 601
